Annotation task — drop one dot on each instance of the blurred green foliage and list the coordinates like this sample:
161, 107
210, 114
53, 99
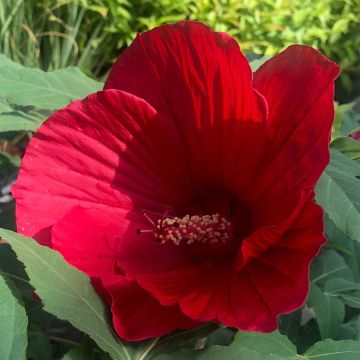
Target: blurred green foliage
91, 33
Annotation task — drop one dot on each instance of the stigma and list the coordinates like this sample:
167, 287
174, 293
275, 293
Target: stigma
203, 229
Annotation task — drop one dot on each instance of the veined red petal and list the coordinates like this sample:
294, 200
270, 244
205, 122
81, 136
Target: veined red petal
298, 85
106, 151
200, 83
91, 240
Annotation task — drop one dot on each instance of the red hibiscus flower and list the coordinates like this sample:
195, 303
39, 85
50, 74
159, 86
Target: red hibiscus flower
185, 188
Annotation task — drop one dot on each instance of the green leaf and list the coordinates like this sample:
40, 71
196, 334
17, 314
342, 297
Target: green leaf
272, 343
348, 291
351, 121
273, 346
81, 352
40, 348
334, 350
66, 292
20, 121
329, 311
177, 340
340, 286
350, 330
338, 193
289, 324
347, 146
18, 118
308, 336
53, 90
221, 336
6, 158
5, 61
249, 346
350, 250
327, 265
340, 122
219, 352
13, 325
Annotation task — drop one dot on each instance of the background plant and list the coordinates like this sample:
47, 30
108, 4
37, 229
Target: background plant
91, 33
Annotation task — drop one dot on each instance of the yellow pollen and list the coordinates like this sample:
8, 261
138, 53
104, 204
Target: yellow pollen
205, 229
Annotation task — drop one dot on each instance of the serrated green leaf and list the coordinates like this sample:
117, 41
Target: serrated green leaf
13, 325
334, 350
53, 90
66, 292
329, 312
338, 193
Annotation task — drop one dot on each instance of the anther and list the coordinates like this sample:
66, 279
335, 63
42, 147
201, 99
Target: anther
205, 229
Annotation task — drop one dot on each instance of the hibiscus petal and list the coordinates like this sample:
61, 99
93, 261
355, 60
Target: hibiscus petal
137, 315
201, 291
260, 240
273, 283
102, 152
90, 239
281, 274
200, 82
298, 85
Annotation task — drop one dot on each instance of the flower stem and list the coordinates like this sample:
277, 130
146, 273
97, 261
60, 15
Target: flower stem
147, 351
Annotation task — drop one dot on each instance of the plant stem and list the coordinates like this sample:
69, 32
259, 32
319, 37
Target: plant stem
148, 349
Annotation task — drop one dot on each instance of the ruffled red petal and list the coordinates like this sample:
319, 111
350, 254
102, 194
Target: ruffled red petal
273, 283
137, 315
90, 239
298, 85
200, 83
281, 274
